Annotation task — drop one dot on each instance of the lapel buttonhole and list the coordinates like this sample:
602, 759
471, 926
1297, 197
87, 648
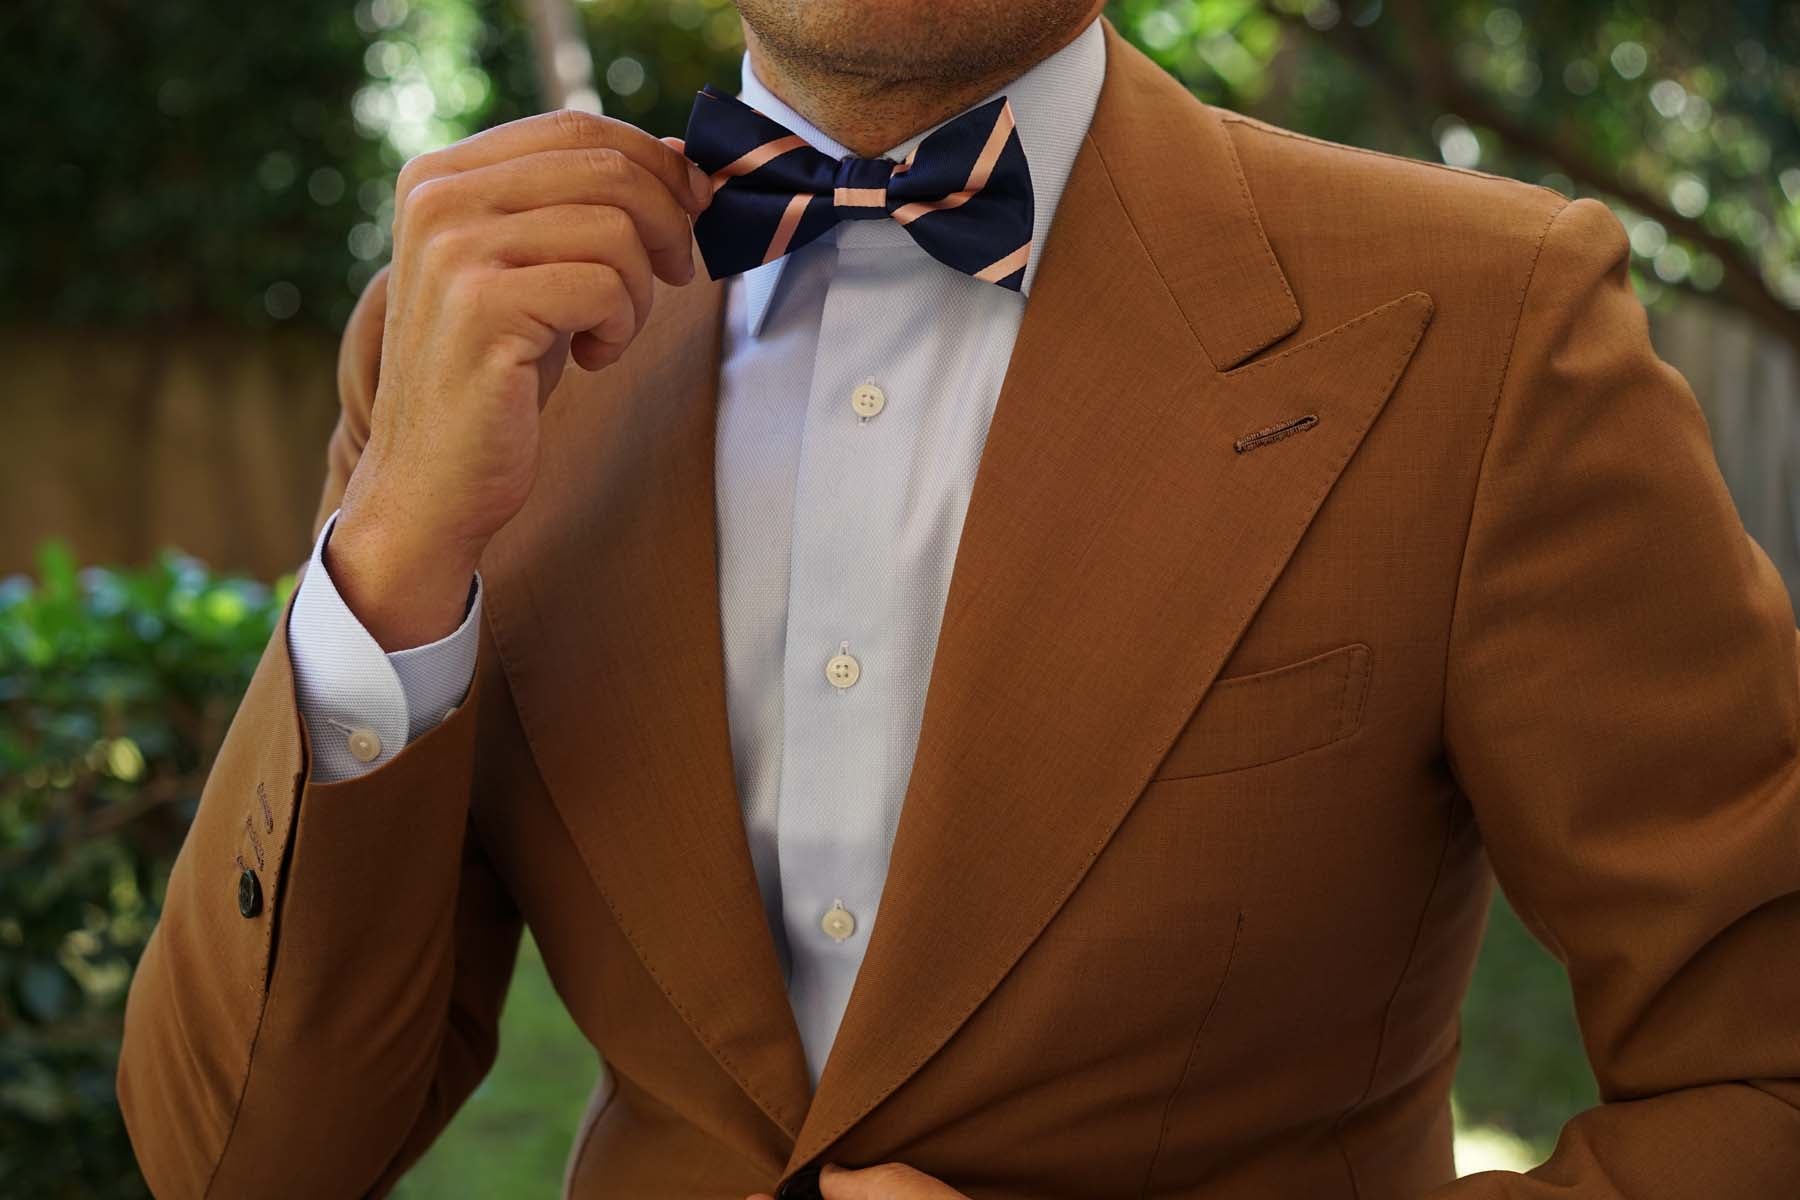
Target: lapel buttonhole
1275, 433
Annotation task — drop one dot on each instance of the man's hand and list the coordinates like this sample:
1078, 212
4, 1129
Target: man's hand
515, 250
888, 1181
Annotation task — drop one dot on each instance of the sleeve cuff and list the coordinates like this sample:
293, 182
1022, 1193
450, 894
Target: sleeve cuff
363, 705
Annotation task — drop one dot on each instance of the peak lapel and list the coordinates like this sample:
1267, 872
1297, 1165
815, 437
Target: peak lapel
1116, 545
604, 601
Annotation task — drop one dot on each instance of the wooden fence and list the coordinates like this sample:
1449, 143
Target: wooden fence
1748, 384
213, 441
121, 444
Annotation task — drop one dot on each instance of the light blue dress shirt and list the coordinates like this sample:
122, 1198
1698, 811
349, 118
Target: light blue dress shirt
857, 381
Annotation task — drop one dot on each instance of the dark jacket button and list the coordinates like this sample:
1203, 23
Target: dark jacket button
249, 893
803, 1185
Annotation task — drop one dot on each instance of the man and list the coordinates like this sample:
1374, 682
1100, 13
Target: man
1162, 623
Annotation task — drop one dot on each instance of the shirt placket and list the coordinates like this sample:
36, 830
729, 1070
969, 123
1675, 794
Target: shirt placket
842, 661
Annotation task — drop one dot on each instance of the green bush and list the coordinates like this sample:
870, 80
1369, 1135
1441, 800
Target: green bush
116, 688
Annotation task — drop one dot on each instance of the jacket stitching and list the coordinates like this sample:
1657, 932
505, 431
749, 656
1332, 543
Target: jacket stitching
1236, 118
1262, 236
1351, 674
1329, 335
1274, 433
255, 843
1387, 1015
1512, 345
744, 1080
1345, 725
588, 1128
1188, 1064
273, 893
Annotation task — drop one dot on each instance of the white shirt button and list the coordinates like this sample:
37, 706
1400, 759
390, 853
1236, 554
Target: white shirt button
868, 398
837, 922
842, 670
364, 745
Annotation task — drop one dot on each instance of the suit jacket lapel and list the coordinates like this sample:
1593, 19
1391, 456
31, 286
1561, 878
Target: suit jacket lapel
603, 599
1117, 544
1113, 528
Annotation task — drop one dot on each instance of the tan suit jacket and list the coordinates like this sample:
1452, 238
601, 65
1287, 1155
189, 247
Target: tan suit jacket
1339, 545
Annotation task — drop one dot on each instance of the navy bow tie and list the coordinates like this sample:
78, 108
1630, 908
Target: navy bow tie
964, 193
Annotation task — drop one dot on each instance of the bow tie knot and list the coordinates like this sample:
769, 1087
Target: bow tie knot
964, 193
859, 190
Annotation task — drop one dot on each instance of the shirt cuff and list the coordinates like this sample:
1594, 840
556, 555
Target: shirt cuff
362, 705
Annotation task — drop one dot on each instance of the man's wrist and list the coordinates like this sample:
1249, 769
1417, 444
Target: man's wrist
404, 592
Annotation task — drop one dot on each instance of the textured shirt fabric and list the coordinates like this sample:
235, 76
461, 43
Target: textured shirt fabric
346, 682
838, 533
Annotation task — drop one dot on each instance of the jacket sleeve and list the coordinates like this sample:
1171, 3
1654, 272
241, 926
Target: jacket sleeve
344, 681
1622, 710
323, 987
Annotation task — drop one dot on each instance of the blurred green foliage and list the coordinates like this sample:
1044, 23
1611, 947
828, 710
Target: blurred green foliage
179, 161
184, 160
1522, 1068
115, 690
1684, 114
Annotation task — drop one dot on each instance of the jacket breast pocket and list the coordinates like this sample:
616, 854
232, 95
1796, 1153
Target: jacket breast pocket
1266, 716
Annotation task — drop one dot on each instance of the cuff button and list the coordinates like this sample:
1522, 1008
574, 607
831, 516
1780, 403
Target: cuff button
364, 745
249, 894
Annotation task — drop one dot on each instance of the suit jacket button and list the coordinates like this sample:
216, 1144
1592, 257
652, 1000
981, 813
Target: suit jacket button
804, 1185
364, 744
249, 893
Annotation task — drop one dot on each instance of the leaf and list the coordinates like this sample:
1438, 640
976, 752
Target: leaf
56, 569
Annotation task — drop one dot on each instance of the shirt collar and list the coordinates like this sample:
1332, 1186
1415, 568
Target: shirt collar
1053, 103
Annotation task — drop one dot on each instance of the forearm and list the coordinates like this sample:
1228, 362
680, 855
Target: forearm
312, 1018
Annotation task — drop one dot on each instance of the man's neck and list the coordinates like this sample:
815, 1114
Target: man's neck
869, 116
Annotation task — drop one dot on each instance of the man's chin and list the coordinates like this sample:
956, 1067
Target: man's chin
909, 39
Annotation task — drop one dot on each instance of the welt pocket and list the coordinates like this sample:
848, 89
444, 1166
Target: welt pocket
1265, 716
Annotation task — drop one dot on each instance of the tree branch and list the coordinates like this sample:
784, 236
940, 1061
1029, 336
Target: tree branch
1433, 74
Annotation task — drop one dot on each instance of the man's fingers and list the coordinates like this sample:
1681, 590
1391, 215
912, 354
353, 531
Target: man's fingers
563, 297
573, 233
888, 1181
554, 178
702, 182
562, 129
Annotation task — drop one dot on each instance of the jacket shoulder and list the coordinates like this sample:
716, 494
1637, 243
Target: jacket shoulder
1352, 228
1270, 151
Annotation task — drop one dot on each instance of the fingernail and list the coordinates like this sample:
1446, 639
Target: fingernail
701, 187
